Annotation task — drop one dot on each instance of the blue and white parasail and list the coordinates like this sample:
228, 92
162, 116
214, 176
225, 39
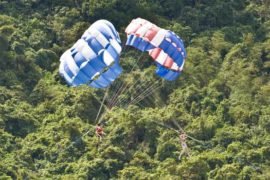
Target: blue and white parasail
93, 59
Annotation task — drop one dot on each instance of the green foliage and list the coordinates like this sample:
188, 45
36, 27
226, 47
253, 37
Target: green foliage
221, 100
228, 171
195, 168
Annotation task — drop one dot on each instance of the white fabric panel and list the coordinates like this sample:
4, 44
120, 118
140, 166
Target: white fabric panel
181, 68
108, 29
95, 75
142, 30
148, 25
108, 59
175, 67
168, 39
106, 26
84, 49
102, 40
61, 67
94, 32
159, 37
131, 27
88, 53
116, 46
79, 45
161, 57
99, 37
138, 19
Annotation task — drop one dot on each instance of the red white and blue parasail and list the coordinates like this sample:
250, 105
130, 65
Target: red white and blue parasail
164, 46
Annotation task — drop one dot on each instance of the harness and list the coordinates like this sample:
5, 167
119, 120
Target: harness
99, 130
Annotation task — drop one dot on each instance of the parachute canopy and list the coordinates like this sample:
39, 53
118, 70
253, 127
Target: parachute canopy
165, 47
93, 59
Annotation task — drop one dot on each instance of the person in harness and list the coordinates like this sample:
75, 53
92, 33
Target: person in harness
99, 132
182, 139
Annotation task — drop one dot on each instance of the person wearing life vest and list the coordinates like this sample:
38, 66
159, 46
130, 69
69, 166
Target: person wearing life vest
99, 131
182, 139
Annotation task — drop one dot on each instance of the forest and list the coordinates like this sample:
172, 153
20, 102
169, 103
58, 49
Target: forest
221, 99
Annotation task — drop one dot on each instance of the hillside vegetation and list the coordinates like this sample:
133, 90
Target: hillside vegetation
221, 99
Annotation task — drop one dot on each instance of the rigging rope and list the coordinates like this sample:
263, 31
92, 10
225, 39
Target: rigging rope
124, 86
145, 92
102, 103
177, 131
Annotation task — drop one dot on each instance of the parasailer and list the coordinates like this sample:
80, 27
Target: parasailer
100, 132
185, 150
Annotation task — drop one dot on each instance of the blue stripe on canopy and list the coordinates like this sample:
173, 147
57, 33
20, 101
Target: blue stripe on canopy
172, 50
167, 74
139, 43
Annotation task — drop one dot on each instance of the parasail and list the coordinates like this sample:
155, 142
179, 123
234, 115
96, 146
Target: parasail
164, 46
94, 58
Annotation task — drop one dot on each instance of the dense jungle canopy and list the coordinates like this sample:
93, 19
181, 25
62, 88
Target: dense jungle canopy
221, 100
